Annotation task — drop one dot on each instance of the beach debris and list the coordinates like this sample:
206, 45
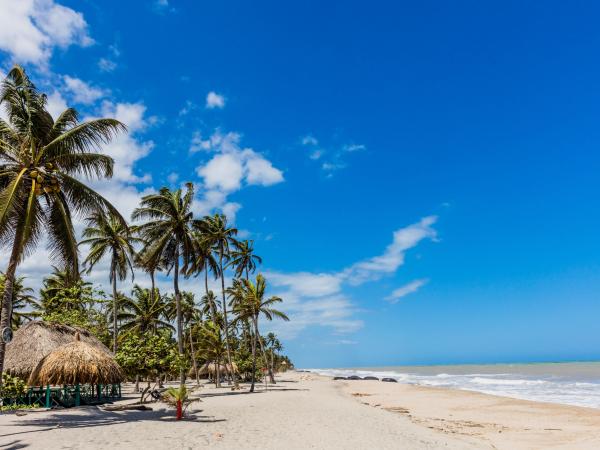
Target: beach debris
132, 407
389, 380
360, 394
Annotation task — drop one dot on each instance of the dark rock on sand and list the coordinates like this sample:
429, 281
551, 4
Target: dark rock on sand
340, 378
354, 377
389, 380
371, 378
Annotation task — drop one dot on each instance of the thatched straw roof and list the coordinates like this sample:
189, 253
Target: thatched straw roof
76, 363
211, 367
36, 339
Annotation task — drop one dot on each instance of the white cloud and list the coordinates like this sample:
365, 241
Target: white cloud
106, 65
31, 29
354, 147
56, 104
126, 149
214, 100
173, 177
82, 92
319, 299
229, 169
309, 140
316, 154
306, 284
223, 171
403, 291
393, 257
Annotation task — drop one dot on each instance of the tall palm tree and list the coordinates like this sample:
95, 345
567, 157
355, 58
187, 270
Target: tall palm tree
145, 312
220, 236
40, 161
250, 303
190, 314
22, 297
106, 235
243, 258
168, 230
204, 260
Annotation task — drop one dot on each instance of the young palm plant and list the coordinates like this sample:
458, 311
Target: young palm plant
106, 235
167, 227
40, 162
250, 303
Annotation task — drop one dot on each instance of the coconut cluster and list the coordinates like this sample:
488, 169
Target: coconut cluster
45, 180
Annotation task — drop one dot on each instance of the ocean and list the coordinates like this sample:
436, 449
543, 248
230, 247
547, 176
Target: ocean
572, 383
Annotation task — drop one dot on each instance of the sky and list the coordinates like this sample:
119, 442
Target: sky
420, 178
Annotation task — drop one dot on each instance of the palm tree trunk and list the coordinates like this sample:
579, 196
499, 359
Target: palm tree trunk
9, 279
231, 371
262, 348
153, 286
213, 310
253, 362
194, 357
114, 286
179, 321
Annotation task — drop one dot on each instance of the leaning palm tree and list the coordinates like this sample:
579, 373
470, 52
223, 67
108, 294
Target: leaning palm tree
40, 162
251, 304
22, 298
106, 235
243, 258
145, 313
168, 229
220, 236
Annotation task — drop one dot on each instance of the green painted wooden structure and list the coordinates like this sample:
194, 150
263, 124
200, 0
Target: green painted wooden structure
67, 396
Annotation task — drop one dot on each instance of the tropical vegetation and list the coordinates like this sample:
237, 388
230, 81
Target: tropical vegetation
155, 333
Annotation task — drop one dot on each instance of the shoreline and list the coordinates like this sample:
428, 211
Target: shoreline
306, 410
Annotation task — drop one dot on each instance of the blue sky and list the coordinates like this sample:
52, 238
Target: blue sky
419, 177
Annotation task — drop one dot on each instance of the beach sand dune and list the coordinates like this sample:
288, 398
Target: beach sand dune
306, 411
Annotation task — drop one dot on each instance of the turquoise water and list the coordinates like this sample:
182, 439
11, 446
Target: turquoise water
567, 383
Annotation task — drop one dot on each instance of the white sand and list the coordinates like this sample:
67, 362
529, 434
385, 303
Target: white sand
306, 411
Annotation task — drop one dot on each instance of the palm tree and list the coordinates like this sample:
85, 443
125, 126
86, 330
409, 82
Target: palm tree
219, 236
168, 231
59, 280
211, 346
145, 312
40, 160
110, 236
204, 260
208, 305
250, 303
274, 345
243, 258
22, 297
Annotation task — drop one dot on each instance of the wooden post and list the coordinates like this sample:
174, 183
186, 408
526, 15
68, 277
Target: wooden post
48, 404
77, 399
99, 391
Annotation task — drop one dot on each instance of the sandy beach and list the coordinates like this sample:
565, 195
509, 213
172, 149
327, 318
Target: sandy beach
309, 411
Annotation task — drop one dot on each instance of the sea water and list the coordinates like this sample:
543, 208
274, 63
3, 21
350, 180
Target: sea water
567, 383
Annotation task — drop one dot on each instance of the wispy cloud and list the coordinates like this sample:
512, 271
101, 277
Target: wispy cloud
307, 293
82, 92
333, 156
403, 291
106, 65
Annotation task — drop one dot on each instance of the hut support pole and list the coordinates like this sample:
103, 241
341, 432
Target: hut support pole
48, 404
77, 397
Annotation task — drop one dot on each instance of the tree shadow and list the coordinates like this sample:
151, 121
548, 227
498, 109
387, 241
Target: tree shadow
14, 445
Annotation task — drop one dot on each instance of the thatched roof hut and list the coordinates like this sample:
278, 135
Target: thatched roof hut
36, 339
76, 363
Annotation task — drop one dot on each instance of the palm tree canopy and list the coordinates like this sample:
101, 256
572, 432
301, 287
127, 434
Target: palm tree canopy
167, 228
145, 312
243, 258
22, 298
108, 235
40, 162
251, 301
